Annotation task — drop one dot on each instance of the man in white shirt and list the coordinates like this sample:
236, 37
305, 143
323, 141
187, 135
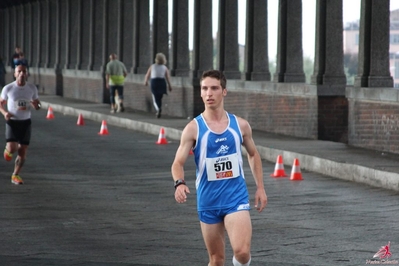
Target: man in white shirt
20, 98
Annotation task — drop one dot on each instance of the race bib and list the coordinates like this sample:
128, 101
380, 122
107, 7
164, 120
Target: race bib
22, 104
223, 167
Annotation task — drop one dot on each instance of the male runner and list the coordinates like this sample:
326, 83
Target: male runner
216, 136
20, 97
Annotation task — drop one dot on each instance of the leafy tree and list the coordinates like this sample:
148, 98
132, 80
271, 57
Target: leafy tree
350, 65
272, 68
308, 65
351, 62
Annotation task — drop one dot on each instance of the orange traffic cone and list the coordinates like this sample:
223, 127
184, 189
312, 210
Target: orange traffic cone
279, 168
50, 114
296, 174
161, 138
104, 129
80, 122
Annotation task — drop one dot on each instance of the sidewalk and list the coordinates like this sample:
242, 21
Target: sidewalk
329, 158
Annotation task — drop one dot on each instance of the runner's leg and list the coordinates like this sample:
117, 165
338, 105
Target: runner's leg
214, 238
239, 229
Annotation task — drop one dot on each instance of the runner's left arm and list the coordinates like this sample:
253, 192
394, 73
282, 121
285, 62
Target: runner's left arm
36, 104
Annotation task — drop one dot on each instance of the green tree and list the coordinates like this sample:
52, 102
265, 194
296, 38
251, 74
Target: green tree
351, 62
308, 68
350, 65
272, 68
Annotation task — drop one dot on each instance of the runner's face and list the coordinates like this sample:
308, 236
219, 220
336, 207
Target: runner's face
21, 74
211, 92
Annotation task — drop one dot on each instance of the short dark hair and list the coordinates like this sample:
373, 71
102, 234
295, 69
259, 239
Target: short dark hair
217, 74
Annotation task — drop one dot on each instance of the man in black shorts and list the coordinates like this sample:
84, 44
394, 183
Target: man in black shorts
20, 98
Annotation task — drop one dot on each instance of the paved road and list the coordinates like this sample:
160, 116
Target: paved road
108, 200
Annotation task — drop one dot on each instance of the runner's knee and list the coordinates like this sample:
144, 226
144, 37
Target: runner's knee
237, 263
242, 256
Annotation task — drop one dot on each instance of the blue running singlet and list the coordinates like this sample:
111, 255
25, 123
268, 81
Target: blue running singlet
220, 180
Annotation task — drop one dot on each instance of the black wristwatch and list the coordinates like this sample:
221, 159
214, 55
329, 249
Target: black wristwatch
179, 182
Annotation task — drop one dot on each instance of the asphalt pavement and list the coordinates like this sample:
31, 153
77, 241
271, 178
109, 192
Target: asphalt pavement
378, 169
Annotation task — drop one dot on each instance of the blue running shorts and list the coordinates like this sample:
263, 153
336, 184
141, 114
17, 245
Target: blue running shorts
217, 216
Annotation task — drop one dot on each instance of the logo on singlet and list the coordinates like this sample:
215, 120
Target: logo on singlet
223, 149
220, 139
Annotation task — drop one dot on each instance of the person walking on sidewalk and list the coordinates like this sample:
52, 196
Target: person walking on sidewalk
15, 57
115, 79
19, 96
159, 74
215, 137
22, 61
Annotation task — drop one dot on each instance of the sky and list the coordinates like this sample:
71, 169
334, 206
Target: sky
351, 12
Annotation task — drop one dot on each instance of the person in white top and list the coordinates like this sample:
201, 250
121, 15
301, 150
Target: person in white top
20, 98
159, 74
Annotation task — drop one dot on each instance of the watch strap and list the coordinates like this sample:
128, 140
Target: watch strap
179, 182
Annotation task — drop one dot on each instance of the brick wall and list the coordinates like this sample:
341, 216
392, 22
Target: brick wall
85, 89
374, 118
44, 79
281, 114
374, 126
